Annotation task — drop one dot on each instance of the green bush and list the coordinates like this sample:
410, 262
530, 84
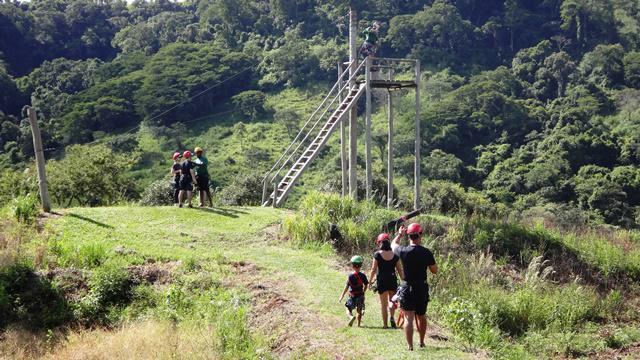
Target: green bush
25, 208
111, 285
30, 300
447, 198
244, 190
159, 193
359, 222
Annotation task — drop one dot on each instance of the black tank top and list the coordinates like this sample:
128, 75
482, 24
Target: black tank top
386, 268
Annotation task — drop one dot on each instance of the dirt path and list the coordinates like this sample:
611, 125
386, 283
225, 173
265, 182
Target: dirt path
294, 294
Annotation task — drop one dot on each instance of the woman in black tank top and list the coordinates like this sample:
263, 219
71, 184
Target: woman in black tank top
385, 266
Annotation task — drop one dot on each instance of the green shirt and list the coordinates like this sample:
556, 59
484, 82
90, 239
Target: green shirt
201, 166
370, 36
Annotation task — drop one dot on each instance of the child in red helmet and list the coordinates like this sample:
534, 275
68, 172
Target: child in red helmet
384, 268
187, 179
175, 173
357, 284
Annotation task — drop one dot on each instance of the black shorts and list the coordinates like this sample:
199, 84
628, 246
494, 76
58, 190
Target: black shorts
203, 183
355, 302
386, 283
416, 298
186, 184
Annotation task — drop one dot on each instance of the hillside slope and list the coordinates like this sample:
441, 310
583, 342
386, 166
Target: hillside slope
289, 293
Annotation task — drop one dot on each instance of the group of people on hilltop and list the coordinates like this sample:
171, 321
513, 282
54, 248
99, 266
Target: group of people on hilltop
392, 259
188, 174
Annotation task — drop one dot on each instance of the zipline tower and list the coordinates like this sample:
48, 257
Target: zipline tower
355, 78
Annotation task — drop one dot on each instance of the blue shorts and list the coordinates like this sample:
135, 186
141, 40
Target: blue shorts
355, 302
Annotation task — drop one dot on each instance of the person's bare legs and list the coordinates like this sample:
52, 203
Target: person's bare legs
201, 198
190, 196
408, 327
384, 304
421, 323
208, 191
181, 198
359, 310
390, 295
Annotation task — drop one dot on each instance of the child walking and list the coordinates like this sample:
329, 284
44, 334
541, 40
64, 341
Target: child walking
357, 284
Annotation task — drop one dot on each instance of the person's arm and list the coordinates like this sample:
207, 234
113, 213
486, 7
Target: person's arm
433, 268
366, 284
396, 241
399, 270
193, 175
374, 269
346, 288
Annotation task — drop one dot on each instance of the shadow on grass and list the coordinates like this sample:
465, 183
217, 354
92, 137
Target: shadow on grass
232, 213
94, 222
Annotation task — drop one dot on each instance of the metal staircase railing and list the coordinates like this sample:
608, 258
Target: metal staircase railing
311, 138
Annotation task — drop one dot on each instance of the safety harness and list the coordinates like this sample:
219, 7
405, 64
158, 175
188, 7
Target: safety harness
359, 285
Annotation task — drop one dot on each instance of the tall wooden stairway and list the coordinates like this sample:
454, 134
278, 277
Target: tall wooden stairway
312, 137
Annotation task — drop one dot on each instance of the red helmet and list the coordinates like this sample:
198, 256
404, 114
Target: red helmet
187, 154
382, 237
176, 155
414, 228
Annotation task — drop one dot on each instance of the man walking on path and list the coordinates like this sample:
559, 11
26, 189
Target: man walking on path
416, 259
202, 176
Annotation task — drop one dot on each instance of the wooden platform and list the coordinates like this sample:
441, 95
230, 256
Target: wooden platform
393, 84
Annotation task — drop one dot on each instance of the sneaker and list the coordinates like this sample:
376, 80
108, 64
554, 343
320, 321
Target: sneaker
393, 323
179, 205
190, 206
352, 318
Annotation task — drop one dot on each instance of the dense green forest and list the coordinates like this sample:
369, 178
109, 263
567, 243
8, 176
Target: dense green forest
529, 104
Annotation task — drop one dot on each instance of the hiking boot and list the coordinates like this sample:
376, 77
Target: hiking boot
352, 318
393, 323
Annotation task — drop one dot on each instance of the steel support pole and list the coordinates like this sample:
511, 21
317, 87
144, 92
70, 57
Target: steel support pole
367, 122
390, 146
343, 141
418, 142
353, 114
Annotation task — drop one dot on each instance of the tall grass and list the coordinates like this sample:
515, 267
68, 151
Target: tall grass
359, 222
514, 307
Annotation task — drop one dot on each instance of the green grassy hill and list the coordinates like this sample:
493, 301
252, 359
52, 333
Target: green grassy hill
247, 282
222, 269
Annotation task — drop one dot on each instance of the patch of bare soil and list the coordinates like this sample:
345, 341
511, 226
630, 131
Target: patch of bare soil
153, 273
627, 353
294, 331
72, 282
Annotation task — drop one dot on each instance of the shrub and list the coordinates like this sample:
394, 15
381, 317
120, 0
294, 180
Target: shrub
25, 208
244, 190
30, 300
451, 199
159, 193
111, 285
359, 222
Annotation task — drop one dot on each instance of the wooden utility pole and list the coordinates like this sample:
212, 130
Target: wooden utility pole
418, 141
353, 114
390, 145
367, 122
37, 147
343, 139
